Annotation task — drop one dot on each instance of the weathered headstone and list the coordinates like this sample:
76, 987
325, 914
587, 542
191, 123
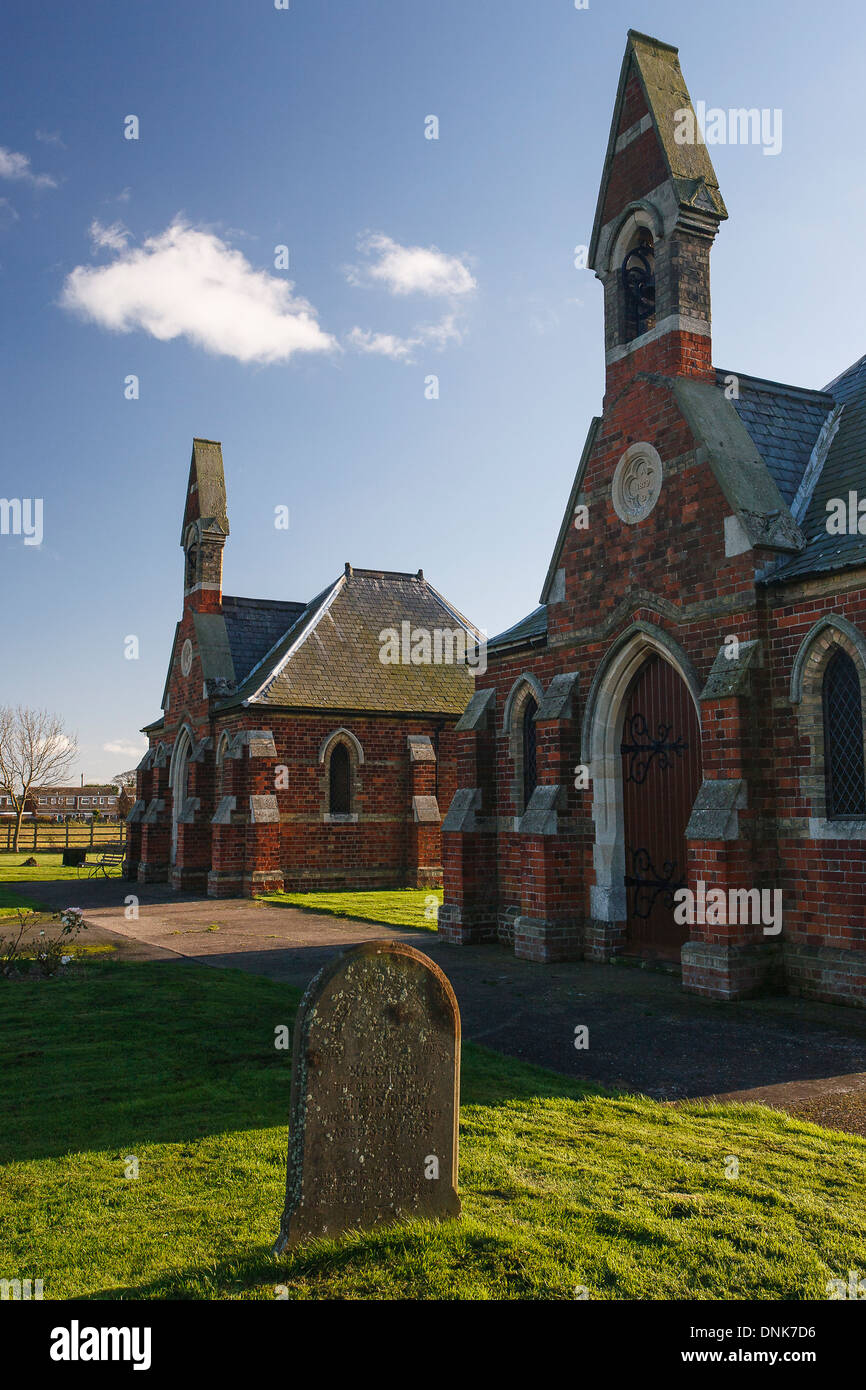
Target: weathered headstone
375, 1095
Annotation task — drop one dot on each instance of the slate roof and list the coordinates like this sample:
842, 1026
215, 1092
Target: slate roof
844, 470
784, 423
254, 626
531, 628
329, 655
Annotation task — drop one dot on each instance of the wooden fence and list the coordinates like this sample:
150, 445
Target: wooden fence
57, 835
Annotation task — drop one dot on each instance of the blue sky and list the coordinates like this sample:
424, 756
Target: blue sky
407, 257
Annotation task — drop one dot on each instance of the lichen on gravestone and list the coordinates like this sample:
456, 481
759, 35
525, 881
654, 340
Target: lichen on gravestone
375, 1096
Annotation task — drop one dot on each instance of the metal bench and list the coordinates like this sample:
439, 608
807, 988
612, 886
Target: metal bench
93, 867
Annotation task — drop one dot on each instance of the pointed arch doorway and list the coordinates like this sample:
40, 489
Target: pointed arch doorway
179, 781
661, 776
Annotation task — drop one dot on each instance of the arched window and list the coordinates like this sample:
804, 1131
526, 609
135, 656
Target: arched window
222, 762
639, 286
339, 773
530, 761
843, 739
190, 545
191, 565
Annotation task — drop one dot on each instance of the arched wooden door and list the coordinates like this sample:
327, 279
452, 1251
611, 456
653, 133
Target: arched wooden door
661, 773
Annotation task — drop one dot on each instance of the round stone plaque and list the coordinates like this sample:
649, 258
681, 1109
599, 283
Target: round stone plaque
637, 483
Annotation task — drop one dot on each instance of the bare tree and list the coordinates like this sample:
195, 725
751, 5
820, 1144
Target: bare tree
125, 783
35, 751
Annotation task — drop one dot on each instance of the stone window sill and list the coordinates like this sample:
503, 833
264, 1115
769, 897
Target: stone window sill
329, 819
822, 829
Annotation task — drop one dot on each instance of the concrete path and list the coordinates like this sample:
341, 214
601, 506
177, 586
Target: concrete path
645, 1034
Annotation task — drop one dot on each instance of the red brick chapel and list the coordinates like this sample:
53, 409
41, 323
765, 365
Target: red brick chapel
289, 754
684, 710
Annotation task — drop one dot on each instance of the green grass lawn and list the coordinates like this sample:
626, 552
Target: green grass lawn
14, 880
402, 907
562, 1186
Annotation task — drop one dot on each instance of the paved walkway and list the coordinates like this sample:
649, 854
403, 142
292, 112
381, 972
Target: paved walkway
645, 1034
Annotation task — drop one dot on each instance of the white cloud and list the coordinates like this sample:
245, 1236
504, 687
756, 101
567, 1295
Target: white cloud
435, 335
383, 344
50, 137
56, 744
8, 215
17, 166
544, 321
188, 283
126, 747
405, 270
447, 330
410, 269
113, 238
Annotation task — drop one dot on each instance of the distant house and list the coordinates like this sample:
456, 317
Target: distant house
59, 803
7, 807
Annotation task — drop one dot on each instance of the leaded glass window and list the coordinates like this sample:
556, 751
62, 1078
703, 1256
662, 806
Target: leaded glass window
339, 781
530, 762
843, 739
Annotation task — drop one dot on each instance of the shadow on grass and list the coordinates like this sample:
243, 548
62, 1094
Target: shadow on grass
11, 898
343, 1268
120, 1053
148, 1052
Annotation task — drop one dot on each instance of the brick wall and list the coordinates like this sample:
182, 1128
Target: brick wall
672, 573
383, 848
378, 845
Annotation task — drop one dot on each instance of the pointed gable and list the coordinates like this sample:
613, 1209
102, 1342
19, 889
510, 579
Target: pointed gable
206, 489
643, 151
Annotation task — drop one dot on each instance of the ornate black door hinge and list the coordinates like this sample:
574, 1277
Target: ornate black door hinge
648, 883
642, 748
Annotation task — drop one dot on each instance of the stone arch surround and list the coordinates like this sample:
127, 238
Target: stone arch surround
525, 686
600, 744
351, 743
829, 634
180, 758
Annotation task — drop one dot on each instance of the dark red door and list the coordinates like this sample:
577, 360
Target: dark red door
661, 772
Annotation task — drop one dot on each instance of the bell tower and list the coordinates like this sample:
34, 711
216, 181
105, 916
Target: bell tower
205, 527
659, 208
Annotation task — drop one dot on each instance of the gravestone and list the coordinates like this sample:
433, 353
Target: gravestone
375, 1095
